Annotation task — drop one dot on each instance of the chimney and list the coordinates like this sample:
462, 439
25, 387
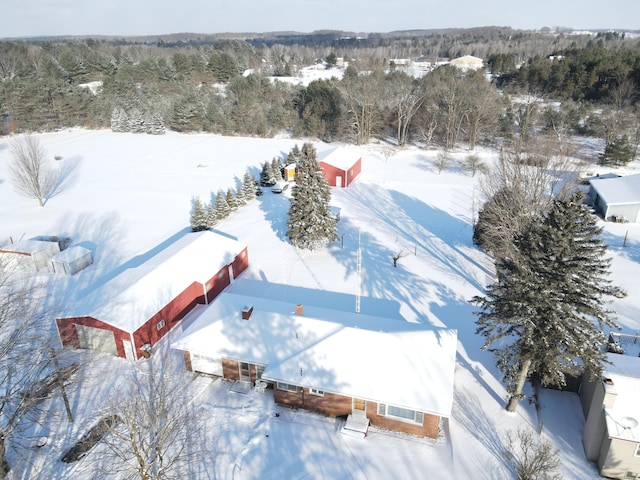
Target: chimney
299, 309
247, 311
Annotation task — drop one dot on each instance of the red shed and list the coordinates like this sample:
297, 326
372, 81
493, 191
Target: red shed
138, 306
340, 166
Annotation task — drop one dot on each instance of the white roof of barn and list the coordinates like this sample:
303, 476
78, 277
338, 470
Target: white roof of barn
623, 419
339, 157
380, 359
71, 254
137, 293
618, 190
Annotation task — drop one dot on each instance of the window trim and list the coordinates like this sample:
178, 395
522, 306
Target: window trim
418, 417
316, 392
286, 387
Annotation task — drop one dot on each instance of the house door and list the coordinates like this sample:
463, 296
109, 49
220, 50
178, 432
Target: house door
231, 279
338, 181
359, 407
245, 375
128, 350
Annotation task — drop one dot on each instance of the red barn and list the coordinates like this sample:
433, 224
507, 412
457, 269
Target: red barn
340, 166
129, 313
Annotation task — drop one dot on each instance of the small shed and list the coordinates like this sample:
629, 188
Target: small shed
31, 255
71, 260
340, 166
290, 172
617, 198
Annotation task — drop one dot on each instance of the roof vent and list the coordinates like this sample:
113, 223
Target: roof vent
247, 311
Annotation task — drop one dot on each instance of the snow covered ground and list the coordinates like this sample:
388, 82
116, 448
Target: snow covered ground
133, 196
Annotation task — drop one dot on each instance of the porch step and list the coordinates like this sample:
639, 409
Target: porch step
356, 425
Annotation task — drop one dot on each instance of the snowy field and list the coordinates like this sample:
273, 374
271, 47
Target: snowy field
133, 197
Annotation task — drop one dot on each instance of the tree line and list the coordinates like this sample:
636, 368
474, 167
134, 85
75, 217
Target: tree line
227, 88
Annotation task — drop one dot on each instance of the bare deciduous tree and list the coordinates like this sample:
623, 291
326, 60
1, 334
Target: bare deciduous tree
33, 175
25, 357
157, 435
531, 458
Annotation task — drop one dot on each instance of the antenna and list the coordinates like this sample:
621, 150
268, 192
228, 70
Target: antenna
359, 276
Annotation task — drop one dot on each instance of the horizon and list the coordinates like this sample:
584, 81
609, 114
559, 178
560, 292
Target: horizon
123, 18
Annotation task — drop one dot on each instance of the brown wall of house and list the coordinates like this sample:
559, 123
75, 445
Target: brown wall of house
429, 427
331, 404
187, 361
230, 369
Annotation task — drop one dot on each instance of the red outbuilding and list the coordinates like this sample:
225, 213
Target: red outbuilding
340, 166
129, 313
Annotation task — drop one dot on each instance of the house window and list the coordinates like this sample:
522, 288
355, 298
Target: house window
160, 324
315, 391
287, 387
638, 450
399, 413
221, 274
259, 371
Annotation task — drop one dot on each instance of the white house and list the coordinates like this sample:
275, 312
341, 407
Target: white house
387, 372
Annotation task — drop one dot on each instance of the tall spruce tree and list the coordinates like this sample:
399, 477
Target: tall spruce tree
544, 316
311, 224
222, 208
198, 216
248, 187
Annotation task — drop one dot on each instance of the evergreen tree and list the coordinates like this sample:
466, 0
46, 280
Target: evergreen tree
155, 124
276, 169
232, 201
222, 208
136, 122
618, 152
248, 187
119, 120
311, 224
198, 216
211, 217
544, 316
241, 199
294, 155
266, 175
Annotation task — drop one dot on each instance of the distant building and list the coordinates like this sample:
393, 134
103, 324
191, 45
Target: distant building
340, 166
71, 260
616, 198
611, 405
468, 62
30, 255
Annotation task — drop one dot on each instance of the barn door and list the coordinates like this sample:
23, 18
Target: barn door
99, 339
128, 349
359, 407
338, 181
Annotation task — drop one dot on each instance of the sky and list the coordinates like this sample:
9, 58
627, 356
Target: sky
29, 18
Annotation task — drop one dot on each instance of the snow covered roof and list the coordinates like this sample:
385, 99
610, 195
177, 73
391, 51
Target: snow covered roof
135, 294
339, 157
623, 418
28, 247
72, 253
380, 359
618, 190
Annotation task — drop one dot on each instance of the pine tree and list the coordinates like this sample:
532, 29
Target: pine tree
294, 155
222, 208
311, 224
241, 200
155, 124
198, 216
545, 314
276, 170
266, 175
232, 201
136, 121
248, 187
211, 217
119, 120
